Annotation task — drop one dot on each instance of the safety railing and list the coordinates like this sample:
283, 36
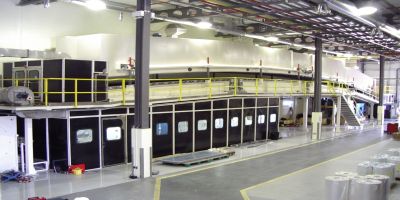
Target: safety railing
79, 91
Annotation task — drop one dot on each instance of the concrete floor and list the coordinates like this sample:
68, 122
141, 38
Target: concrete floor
253, 164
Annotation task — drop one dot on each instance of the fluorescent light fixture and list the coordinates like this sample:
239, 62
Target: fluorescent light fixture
356, 67
367, 10
95, 5
204, 25
272, 39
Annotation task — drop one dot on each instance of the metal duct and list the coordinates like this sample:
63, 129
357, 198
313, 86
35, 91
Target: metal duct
21, 96
39, 114
26, 53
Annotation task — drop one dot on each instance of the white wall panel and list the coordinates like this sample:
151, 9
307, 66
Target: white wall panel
8, 144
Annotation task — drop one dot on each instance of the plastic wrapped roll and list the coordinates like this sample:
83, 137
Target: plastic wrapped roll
385, 169
385, 185
337, 187
393, 152
364, 168
346, 174
396, 161
365, 189
380, 158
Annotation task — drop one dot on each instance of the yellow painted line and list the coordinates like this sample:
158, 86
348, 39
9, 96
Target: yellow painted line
157, 185
243, 192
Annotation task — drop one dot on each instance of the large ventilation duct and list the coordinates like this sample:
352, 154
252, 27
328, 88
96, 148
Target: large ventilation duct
26, 53
20, 96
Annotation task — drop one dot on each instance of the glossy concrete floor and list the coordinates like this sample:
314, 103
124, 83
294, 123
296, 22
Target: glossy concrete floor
113, 179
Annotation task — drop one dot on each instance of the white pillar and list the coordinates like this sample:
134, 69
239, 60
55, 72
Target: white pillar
338, 112
381, 115
142, 152
316, 125
371, 112
305, 112
29, 160
333, 118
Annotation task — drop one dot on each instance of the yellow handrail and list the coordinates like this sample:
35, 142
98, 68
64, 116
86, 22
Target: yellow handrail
46, 92
210, 88
180, 89
257, 86
76, 93
123, 90
235, 86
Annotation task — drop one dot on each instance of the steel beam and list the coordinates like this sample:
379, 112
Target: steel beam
317, 75
381, 79
142, 53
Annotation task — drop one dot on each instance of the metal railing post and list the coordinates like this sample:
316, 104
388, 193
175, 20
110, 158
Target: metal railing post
235, 86
291, 87
76, 93
123, 90
257, 86
210, 88
46, 92
274, 87
180, 89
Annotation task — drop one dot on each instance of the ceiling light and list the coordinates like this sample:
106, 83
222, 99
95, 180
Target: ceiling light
271, 39
356, 67
204, 25
367, 10
96, 5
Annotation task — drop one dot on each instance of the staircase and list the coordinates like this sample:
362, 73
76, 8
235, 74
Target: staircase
348, 112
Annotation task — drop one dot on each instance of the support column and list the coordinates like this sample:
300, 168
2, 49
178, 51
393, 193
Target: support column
338, 112
380, 111
333, 117
317, 114
141, 133
305, 112
29, 160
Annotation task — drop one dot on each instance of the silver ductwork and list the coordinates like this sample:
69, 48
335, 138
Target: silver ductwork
26, 53
19, 96
39, 114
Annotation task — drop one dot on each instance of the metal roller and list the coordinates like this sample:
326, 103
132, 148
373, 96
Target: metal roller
21, 96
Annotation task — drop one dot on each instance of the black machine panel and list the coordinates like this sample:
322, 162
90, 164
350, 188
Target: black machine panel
78, 69
202, 130
39, 135
235, 126
21, 64
261, 120
34, 63
113, 134
58, 140
162, 134
273, 120
183, 132
53, 69
85, 142
248, 122
7, 74
219, 128
101, 86
129, 125
274, 102
100, 66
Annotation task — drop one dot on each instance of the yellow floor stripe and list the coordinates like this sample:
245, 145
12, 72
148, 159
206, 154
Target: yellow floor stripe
157, 185
245, 196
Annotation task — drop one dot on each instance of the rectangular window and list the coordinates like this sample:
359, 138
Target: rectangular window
272, 118
84, 136
261, 119
202, 125
162, 129
219, 123
183, 127
235, 121
113, 133
248, 120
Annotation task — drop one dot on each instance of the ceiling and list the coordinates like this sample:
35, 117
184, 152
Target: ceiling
293, 21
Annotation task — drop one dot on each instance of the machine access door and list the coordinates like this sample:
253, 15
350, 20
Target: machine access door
34, 82
114, 141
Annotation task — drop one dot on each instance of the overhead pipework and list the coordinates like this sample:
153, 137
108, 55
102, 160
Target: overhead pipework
26, 53
19, 96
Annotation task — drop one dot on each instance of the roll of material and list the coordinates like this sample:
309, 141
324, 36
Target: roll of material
346, 174
385, 169
365, 189
396, 161
337, 188
380, 158
393, 152
385, 186
364, 168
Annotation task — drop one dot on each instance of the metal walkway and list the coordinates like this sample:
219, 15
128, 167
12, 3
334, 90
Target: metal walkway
226, 181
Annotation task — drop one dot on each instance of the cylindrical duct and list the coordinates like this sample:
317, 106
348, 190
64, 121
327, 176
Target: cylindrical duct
337, 187
21, 96
384, 169
393, 152
396, 161
380, 158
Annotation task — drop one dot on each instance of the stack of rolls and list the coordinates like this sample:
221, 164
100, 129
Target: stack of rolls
364, 168
337, 187
385, 186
